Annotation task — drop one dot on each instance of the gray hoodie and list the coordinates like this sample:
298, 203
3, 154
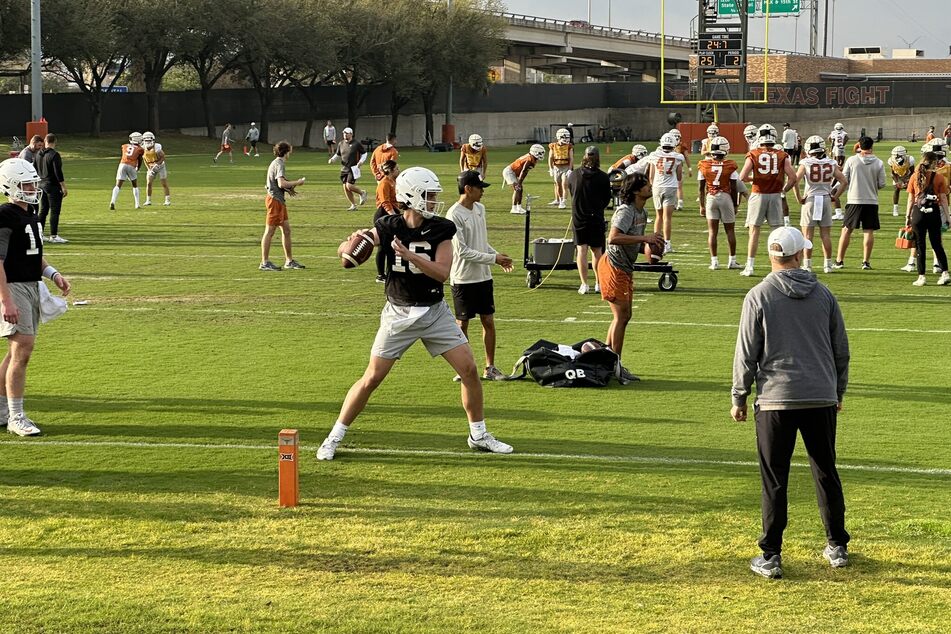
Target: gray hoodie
792, 340
866, 175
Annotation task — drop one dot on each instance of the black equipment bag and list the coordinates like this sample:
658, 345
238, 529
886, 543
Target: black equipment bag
594, 368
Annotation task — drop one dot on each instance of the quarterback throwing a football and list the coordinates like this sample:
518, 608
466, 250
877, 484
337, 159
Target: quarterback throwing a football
418, 248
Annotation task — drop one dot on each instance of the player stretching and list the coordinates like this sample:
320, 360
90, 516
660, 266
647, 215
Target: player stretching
819, 172
561, 160
128, 170
418, 247
515, 174
473, 156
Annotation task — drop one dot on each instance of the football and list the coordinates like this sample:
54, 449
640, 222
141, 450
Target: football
356, 250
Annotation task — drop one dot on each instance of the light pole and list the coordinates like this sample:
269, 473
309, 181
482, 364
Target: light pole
36, 61
449, 87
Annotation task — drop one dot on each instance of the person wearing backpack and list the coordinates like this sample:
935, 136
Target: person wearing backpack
927, 214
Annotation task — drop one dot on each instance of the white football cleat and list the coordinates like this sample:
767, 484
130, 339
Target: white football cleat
945, 279
583, 289
554, 202
327, 449
827, 269
518, 210
733, 265
908, 268
147, 203
488, 443
920, 281
747, 271
22, 426
363, 198
714, 266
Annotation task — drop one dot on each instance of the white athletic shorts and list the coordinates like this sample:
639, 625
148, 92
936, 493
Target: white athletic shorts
436, 328
665, 197
720, 207
26, 295
126, 173
161, 174
560, 172
509, 176
806, 219
765, 209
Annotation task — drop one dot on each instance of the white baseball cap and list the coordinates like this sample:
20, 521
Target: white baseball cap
348, 130
790, 241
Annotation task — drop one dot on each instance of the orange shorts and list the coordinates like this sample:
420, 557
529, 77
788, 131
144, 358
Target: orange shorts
617, 286
276, 211
225, 148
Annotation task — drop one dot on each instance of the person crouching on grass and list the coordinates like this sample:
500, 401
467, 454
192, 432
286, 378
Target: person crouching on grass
277, 186
616, 269
418, 247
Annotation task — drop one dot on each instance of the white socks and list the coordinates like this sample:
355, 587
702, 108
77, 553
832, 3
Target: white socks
732, 260
115, 194
15, 405
338, 432
714, 261
135, 195
807, 263
477, 429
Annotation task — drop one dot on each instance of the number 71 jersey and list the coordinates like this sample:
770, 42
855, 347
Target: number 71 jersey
819, 175
769, 174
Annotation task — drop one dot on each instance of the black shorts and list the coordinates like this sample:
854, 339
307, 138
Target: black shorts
469, 300
591, 234
346, 177
864, 215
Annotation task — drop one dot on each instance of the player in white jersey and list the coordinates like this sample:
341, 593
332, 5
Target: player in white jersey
751, 134
665, 173
820, 174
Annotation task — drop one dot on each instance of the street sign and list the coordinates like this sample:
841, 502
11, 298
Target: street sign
757, 8
720, 50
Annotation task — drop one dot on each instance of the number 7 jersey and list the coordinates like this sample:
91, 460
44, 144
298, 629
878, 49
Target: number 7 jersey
819, 175
717, 174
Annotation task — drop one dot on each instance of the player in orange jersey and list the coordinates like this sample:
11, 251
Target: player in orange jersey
718, 197
129, 165
515, 174
473, 156
561, 161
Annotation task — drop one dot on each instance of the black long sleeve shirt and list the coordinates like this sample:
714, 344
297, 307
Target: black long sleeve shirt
49, 166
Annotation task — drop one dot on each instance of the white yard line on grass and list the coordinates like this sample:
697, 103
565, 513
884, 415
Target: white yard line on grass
659, 460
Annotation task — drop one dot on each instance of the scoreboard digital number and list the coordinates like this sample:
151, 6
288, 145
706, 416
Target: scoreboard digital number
720, 50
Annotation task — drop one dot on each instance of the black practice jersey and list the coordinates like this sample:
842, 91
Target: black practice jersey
23, 261
406, 285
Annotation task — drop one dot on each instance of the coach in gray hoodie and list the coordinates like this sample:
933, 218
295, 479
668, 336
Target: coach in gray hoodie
866, 175
792, 341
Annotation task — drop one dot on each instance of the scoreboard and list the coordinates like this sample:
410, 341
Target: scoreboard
720, 50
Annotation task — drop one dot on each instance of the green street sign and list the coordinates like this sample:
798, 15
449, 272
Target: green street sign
777, 8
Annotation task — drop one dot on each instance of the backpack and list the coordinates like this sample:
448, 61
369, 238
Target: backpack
551, 368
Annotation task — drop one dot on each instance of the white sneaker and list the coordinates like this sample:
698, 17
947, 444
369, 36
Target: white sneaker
667, 247
327, 449
680, 205
734, 265
518, 210
945, 279
895, 212
597, 288
22, 426
714, 266
747, 271
167, 202
935, 269
806, 268
827, 268
908, 268
920, 281
554, 202
352, 208
147, 203
138, 206
561, 204
363, 198
838, 215
488, 443
583, 289
256, 154
57, 240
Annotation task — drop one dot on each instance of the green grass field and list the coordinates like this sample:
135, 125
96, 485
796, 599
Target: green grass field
150, 503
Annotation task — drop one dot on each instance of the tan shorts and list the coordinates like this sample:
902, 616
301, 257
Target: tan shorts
560, 172
160, 174
720, 207
509, 176
806, 219
437, 329
765, 209
26, 295
126, 173
665, 197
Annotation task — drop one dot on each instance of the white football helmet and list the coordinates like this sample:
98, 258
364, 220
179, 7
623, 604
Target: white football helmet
750, 132
676, 134
899, 150
815, 145
839, 127
148, 140
668, 141
767, 134
538, 151
14, 174
639, 151
475, 141
937, 146
135, 138
563, 136
719, 146
713, 131
413, 187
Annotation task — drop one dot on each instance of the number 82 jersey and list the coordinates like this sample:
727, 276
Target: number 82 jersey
819, 175
406, 285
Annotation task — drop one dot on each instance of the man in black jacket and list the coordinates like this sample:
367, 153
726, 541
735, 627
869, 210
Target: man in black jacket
590, 194
49, 167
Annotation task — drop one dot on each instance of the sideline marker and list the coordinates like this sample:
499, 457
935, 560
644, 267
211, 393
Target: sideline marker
287, 477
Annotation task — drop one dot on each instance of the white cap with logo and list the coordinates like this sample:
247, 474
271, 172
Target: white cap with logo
790, 241
348, 130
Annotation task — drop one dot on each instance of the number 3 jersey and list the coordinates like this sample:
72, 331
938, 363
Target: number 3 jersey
819, 175
407, 285
22, 238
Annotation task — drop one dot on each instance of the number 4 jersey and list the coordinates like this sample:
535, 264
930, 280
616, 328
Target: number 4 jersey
406, 285
22, 261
